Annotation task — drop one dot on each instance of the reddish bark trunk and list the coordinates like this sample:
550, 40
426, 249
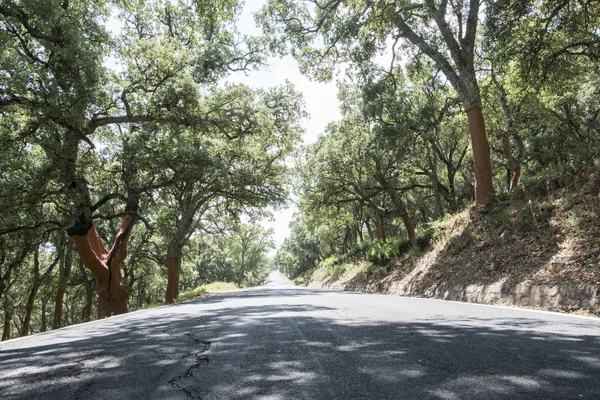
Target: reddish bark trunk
408, 224
171, 278
174, 255
515, 179
113, 294
345, 246
176, 284
481, 156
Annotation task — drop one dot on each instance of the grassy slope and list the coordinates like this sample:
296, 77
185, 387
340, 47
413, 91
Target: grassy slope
210, 288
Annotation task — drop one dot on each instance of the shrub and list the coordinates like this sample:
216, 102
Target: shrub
381, 252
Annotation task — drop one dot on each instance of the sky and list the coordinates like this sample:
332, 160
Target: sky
321, 102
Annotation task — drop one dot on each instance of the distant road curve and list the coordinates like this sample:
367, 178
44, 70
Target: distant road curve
283, 342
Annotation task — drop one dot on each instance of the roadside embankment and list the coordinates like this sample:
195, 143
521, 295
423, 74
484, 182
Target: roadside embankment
539, 248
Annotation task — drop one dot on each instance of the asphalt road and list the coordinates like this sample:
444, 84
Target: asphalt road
283, 342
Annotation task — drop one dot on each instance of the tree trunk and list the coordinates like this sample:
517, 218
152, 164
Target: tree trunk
64, 272
452, 189
89, 294
177, 275
44, 326
170, 294
7, 319
400, 208
58, 308
32, 293
345, 243
368, 223
435, 184
481, 156
169, 298
174, 255
6, 330
28, 311
408, 224
380, 229
515, 179
113, 294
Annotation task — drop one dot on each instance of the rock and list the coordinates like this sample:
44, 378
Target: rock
495, 289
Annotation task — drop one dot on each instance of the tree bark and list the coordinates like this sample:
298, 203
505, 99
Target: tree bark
44, 326
514, 180
400, 208
105, 265
484, 188
408, 224
176, 281
58, 308
64, 272
435, 184
380, 229
369, 230
28, 311
37, 281
185, 226
87, 313
174, 254
89, 294
170, 294
7, 318
6, 330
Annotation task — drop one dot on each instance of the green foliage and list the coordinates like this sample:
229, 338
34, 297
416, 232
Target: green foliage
300, 252
240, 257
382, 252
332, 267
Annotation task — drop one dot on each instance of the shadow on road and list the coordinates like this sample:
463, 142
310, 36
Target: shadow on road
299, 351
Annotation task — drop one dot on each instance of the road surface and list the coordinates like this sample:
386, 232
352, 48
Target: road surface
283, 342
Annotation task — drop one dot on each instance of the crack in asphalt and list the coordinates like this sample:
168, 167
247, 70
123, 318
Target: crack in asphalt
186, 378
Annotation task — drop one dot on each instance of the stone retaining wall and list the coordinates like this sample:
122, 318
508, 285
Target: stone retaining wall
560, 297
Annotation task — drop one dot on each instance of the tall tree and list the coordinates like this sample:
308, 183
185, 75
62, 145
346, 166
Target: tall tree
353, 31
59, 98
